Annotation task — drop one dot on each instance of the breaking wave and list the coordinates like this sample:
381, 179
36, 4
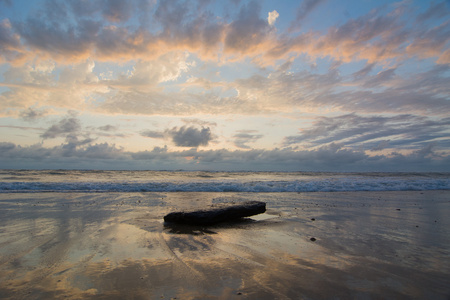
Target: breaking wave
319, 183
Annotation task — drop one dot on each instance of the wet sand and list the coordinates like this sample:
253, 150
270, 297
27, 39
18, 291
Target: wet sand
356, 245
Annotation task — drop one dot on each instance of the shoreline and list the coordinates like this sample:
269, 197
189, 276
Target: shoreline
115, 245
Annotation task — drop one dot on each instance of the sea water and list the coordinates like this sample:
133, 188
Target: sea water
88, 181
101, 234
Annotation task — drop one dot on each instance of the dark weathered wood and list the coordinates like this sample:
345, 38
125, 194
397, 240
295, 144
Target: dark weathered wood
218, 214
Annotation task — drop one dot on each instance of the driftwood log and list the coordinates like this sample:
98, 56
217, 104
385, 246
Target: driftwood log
218, 214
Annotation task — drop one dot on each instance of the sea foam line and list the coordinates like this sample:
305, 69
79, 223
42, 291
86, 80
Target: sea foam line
330, 185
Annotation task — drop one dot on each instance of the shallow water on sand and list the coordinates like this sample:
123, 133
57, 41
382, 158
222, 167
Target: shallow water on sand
306, 246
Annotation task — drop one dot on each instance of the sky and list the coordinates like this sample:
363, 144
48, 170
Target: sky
312, 85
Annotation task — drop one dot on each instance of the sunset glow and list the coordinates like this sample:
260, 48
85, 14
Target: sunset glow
237, 85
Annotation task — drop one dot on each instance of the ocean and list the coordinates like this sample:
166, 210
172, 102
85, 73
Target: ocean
71, 234
88, 181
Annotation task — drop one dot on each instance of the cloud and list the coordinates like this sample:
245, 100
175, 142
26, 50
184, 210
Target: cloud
190, 136
172, 13
272, 17
73, 144
402, 131
198, 122
372, 37
189, 26
361, 74
420, 93
140, 91
58, 41
45, 84
148, 101
244, 137
282, 91
10, 45
431, 42
326, 158
104, 31
108, 128
383, 144
184, 136
32, 114
28, 75
303, 11
166, 68
384, 92
70, 128
153, 134
65, 127
79, 73
182, 58
6, 2
379, 79
377, 37
5, 147
55, 10
435, 11
117, 10
74, 31
108, 131
248, 32
101, 151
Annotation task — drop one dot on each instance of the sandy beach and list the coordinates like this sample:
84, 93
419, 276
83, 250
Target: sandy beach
341, 245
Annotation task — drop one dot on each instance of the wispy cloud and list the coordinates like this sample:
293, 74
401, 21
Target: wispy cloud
32, 114
304, 9
244, 137
435, 11
368, 132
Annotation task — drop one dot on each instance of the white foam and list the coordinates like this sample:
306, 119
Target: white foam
317, 184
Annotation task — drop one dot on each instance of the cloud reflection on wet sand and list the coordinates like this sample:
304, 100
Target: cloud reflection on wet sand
115, 246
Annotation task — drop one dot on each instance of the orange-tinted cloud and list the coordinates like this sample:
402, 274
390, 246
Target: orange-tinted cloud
104, 34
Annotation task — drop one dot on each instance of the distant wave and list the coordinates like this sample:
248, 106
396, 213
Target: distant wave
319, 185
